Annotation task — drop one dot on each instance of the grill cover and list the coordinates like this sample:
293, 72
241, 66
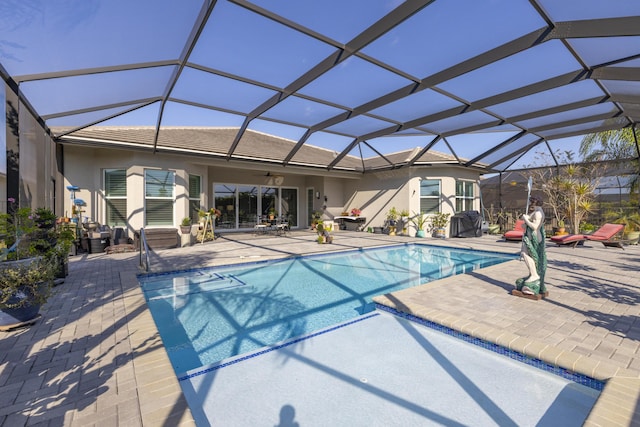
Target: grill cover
466, 224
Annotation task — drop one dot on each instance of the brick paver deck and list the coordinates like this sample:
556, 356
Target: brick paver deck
95, 356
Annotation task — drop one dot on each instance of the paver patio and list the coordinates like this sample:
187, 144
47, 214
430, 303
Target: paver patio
95, 356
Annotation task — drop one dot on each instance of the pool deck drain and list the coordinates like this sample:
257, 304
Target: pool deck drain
95, 356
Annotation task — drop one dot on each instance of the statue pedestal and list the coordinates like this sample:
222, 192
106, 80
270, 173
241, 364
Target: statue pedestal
533, 297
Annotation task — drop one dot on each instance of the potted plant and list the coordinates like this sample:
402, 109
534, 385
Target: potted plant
631, 221
25, 285
324, 234
587, 228
404, 218
355, 212
33, 251
53, 237
561, 229
271, 213
202, 216
315, 218
392, 219
44, 218
494, 218
439, 223
419, 220
185, 225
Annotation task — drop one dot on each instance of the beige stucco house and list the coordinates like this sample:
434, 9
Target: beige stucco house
128, 179
133, 187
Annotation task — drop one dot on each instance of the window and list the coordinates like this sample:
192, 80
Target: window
270, 202
115, 189
247, 206
241, 206
430, 196
289, 205
464, 196
224, 199
195, 187
159, 197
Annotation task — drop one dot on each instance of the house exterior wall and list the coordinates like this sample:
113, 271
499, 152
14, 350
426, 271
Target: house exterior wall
373, 193
334, 190
84, 168
226, 175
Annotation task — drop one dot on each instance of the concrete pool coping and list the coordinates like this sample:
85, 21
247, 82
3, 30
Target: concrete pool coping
96, 358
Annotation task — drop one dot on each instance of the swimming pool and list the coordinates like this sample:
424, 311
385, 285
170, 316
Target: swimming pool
210, 314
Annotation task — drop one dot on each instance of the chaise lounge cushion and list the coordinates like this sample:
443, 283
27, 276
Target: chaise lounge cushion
517, 232
566, 239
606, 232
603, 235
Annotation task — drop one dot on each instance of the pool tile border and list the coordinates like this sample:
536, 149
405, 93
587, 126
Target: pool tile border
319, 255
269, 349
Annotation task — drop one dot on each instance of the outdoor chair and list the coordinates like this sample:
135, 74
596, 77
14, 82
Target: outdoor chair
605, 235
517, 233
282, 226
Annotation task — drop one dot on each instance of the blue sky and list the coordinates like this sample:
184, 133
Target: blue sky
49, 36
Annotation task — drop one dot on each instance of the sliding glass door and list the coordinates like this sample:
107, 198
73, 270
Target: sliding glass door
247, 206
289, 205
225, 202
240, 205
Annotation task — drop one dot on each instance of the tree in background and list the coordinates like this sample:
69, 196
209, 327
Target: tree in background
569, 190
609, 145
615, 145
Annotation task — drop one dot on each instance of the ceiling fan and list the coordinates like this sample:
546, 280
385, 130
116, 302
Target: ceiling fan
273, 178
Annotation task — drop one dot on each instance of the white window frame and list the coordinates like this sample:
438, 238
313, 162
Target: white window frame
171, 197
437, 197
465, 200
107, 197
192, 198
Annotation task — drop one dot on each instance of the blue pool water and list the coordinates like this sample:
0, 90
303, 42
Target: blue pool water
210, 314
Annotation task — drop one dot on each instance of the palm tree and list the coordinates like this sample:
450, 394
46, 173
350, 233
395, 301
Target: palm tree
609, 145
614, 145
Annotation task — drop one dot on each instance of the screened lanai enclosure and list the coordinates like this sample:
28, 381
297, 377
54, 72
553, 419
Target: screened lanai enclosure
484, 81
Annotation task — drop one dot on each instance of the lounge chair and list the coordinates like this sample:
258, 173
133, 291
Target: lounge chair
604, 235
517, 232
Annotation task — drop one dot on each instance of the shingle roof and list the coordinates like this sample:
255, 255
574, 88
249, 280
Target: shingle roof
253, 145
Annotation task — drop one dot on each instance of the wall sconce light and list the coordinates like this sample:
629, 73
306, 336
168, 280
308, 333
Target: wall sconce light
317, 194
325, 198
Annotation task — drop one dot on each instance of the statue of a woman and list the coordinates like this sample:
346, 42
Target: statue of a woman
533, 250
